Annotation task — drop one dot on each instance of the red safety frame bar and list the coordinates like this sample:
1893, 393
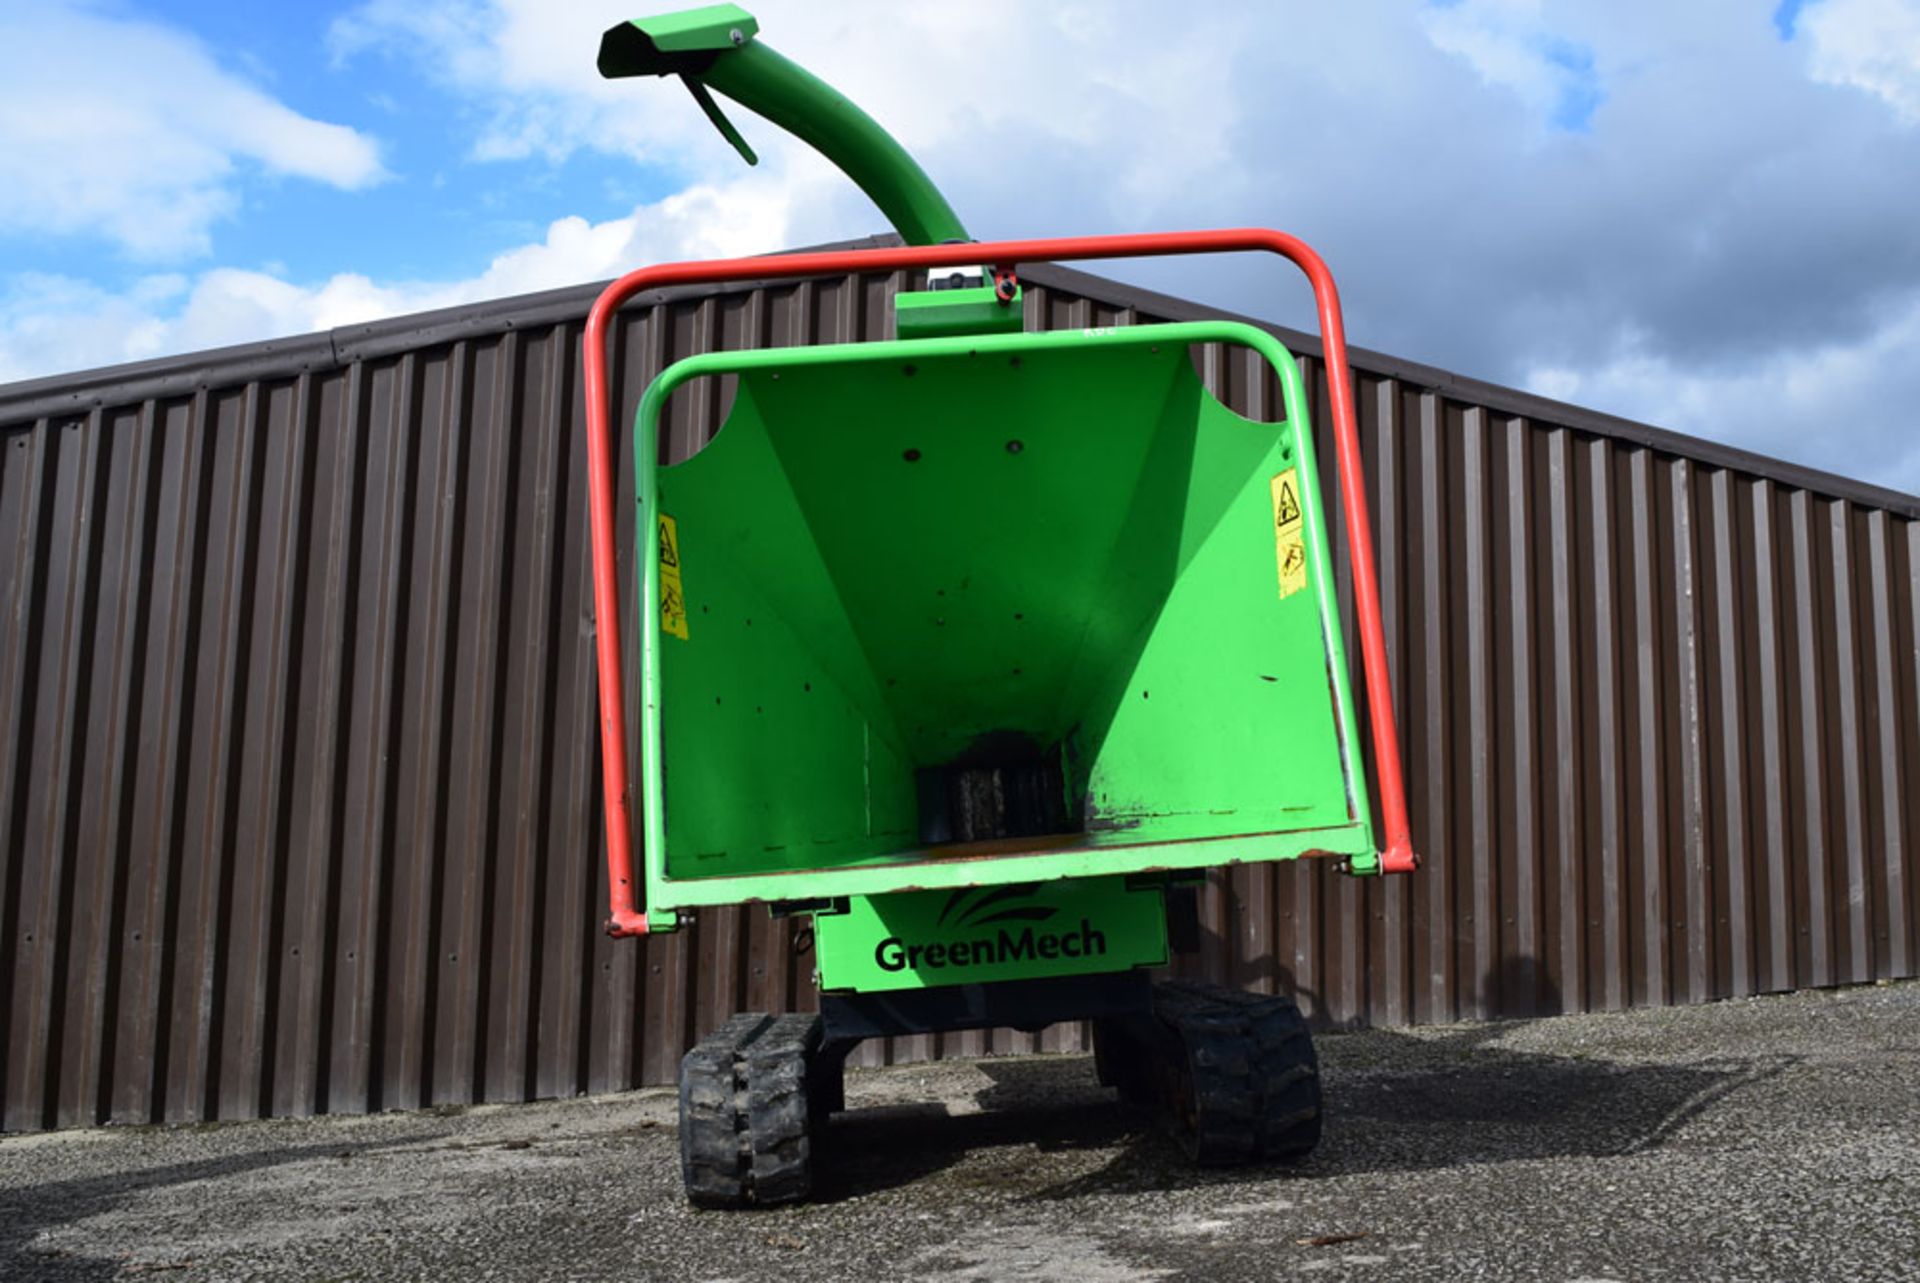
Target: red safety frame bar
627, 918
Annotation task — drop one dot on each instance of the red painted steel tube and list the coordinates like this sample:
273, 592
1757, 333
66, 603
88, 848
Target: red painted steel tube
1396, 857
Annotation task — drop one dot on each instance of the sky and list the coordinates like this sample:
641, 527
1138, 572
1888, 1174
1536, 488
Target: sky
1703, 214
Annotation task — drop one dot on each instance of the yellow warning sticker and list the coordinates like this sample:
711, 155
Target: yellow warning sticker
673, 602
1289, 533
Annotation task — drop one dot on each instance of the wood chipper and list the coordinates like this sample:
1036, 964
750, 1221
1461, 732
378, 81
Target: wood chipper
976, 647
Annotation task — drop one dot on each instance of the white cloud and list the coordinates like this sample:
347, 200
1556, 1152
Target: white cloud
942, 78
1872, 45
1801, 404
50, 323
130, 130
1447, 159
1726, 237
529, 69
1513, 45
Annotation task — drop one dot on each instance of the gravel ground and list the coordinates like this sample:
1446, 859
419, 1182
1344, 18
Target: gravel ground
1771, 1138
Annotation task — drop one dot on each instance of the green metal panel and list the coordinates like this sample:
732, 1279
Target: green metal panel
933, 314
714, 26
974, 935
894, 552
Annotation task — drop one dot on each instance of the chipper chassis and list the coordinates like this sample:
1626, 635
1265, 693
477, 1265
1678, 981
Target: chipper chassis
1230, 1076
976, 647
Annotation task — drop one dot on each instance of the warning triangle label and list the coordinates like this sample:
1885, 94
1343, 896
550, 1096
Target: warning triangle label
1287, 509
673, 599
1289, 532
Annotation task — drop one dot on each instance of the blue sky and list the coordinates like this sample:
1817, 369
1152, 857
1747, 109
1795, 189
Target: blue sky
1700, 215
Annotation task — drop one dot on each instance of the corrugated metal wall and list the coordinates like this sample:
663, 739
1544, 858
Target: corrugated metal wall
298, 775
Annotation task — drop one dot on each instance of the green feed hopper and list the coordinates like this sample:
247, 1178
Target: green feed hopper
978, 646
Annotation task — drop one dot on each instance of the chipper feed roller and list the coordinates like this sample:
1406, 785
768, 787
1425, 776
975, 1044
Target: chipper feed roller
977, 647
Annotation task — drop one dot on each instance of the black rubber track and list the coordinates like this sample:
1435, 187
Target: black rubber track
1233, 1075
745, 1126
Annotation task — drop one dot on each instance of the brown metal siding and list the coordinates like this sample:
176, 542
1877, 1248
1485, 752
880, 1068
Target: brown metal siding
298, 773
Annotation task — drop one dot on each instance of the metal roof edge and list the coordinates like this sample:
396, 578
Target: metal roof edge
79, 392
58, 395
1494, 396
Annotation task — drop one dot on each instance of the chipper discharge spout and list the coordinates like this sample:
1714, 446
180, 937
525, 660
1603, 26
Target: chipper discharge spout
976, 646
714, 50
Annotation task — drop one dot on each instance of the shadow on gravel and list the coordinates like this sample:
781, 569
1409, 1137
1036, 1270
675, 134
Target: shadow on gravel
25, 1212
1394, 1103
1053, 1105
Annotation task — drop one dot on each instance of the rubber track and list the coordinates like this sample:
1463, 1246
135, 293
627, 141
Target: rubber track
1234, 1074
744, 1122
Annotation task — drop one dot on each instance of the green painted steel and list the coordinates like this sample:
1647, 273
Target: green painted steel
893, 553
772, 86
704, 30
714, 47
933, 314
976, 935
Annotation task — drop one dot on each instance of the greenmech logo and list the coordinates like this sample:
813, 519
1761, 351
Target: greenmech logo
992, 930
